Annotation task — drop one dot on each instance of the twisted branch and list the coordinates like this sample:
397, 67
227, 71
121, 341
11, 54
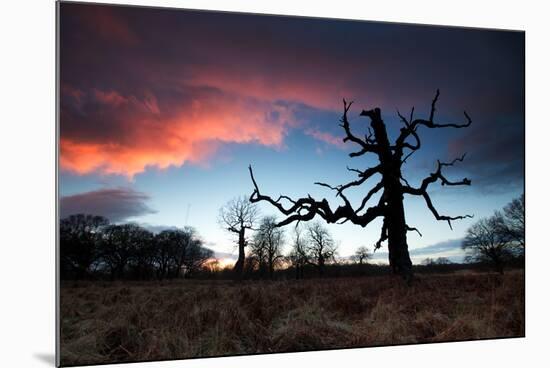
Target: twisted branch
411, 126
383, 236
305, 209
364, 176
432, 178
366, 146
414, 229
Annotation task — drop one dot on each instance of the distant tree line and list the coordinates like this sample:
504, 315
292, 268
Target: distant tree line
439, 261
92, 247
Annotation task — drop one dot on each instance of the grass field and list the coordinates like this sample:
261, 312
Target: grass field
105, 322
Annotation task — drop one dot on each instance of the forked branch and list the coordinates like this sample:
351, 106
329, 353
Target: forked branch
366, 145
383, 236
363, 177
432, 178
430, 123
411, 126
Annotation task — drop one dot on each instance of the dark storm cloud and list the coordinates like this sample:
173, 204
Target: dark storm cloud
495, 151
117, 204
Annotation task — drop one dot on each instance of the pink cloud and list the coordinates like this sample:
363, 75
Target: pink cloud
325, 137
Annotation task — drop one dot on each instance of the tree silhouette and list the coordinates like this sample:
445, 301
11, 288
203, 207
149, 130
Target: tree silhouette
79, 249
298, 256
124, 246
442, 261
90, 247
267, 245
391, 157
143, 251
361, 254
237, 216
438, 261
166, 244
195, 255
511, 221
484, 243
321, 247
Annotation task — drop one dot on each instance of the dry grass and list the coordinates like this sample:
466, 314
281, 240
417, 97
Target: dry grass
104, 322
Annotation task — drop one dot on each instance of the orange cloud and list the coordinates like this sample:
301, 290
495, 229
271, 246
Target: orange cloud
146, 137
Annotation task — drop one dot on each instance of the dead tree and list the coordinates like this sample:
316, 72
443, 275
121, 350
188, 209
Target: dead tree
237, 216
391, 157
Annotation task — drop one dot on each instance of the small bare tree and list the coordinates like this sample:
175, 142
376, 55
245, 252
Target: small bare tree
362, 254
321, 246
237, 216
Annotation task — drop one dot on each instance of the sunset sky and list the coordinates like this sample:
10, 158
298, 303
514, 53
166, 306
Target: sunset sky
162, 111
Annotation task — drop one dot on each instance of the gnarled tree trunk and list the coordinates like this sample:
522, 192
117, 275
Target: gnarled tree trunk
394, 219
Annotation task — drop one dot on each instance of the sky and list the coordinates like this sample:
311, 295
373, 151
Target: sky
162, 111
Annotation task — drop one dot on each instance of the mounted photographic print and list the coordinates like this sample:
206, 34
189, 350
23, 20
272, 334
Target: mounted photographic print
234, 184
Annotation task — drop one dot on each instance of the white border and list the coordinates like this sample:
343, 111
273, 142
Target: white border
28, 182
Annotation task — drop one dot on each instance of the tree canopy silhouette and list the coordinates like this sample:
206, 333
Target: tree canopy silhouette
90, 247
391, 158
511, 221
485, 244
498, 239
79, 235
267, 246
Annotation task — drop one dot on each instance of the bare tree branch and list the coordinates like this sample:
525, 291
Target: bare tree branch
365, 145
442, 217
305, 209
414, 229
411, 126
383, 236
364, 176
430, 123
369, 195
354, 170
432, 178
